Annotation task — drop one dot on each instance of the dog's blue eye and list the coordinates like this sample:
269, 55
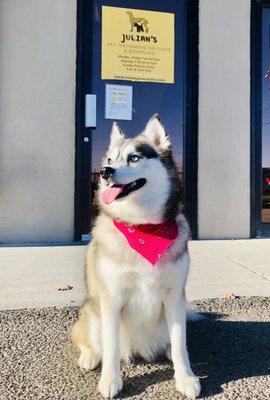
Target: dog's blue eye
134, 158
109, 161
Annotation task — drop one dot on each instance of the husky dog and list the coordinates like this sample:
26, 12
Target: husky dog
133, 307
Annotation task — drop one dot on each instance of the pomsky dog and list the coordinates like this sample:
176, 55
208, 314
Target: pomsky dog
137, 263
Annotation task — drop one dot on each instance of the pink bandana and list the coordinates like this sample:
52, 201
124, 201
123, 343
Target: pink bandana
150, 240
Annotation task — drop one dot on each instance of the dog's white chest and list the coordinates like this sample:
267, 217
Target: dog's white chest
143, 301
141, 289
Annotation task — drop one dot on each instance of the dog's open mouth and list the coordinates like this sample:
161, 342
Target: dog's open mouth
118, 191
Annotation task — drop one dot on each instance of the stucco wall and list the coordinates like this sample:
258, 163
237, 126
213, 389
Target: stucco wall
224, 119
37, 94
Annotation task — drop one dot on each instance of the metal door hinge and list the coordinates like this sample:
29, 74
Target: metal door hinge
85, 238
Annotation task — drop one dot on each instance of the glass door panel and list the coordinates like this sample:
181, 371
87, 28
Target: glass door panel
166, 99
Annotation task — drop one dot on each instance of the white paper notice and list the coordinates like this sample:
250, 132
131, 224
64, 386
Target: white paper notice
118, 102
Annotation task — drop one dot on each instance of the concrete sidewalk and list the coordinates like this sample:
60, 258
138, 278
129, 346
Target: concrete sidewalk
31, 276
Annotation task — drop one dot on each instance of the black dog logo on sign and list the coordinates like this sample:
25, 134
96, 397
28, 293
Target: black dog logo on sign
141, 24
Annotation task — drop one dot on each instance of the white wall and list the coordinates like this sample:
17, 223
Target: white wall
37, 94
224, 119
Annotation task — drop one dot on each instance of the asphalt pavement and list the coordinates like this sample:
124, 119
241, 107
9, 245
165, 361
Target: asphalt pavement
229, 351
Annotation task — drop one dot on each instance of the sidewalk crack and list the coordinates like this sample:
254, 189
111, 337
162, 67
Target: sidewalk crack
237, 262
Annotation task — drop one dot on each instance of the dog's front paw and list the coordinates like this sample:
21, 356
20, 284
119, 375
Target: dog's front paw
88, 360
109, 386
189, 385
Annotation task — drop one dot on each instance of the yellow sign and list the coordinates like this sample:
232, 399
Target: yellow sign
137, 45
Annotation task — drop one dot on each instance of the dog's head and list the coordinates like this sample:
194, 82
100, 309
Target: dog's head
138, 179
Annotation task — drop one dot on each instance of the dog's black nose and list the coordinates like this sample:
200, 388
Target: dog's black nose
106, 172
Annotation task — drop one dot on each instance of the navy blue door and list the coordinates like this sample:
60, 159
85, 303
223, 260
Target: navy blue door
175, 102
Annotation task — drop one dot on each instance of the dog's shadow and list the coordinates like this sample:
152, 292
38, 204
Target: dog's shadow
220, 351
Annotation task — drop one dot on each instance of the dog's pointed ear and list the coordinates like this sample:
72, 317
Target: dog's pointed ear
116, 134
156, 134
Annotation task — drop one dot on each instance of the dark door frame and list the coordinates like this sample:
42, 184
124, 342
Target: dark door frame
83, 86
257, 227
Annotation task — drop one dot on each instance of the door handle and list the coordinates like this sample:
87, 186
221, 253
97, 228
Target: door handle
90, 111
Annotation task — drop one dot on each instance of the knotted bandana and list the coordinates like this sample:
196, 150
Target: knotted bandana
149, 240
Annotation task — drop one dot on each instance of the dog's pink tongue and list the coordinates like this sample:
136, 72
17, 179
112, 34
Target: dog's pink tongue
111, 193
